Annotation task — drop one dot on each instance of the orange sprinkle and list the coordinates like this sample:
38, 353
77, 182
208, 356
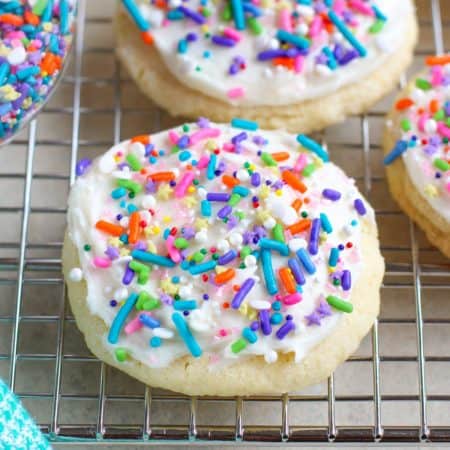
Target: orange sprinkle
109, 228
31, 18
162, 176
230, 181
147, 37
300, 226
297, 204
225, 276
285, 62
287, 280
403, 103
133, 225
11, 19
292, 180
50, 63
437, 60
143, 139
434, 106
280, 156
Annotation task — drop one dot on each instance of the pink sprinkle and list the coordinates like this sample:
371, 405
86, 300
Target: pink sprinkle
361, 7
180, 190
173, 252
203, 161
173, 137
223, 332
292, 299
443, 129
204, 133
285, 20
298, 63
232, 34
316, 26
228, 147
301, 163
422, 119
437, 76
102, 263
447, 186
133, 326
236, 92
339, 6
16, 37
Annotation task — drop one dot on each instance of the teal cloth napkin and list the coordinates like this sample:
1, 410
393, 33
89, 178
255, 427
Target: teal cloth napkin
17, 429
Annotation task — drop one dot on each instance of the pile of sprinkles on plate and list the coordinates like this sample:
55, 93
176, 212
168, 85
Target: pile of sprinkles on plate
329, 31
35, 37
424, 126
218, 240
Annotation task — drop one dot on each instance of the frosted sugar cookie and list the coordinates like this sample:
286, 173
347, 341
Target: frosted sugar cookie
296, 65
221, 260
417, 150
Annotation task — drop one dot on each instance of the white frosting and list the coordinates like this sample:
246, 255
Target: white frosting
214, 327
209, 72
432, 183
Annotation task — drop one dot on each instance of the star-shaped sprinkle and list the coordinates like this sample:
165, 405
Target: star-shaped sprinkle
324, 309
168, 287
200, 223
190, 201
313, 319
164, 192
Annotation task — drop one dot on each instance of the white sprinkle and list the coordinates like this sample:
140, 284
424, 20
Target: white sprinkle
223, 245
137, 149
250, 261
107, 163
270, 356
17, 56
269, 223
259, 304
163, 333
76, 275
430, 126
124, 221
296, 244
202, 236
148, 202
236, 239
242, 175
121, 294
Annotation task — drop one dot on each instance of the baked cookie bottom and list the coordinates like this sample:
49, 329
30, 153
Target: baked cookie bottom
149, 72
194, 376
411, 201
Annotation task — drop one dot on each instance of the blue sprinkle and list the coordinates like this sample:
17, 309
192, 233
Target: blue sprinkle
183, 305
398, 150
185, 334
244, 124
121, 316
304, 258
149, 321
155, 341
313, 146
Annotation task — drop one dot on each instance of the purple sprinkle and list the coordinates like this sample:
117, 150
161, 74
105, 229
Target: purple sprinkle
239, 138
254, 325
324, 309
224, 212
232, 222
346, 280
112, 252
227, 257
150, 187
183, 142
264, 320
128, 276
188, 232
359, 206
331, 194
240, 295
430, 150
203, 122
296, 270
313, 246
313, 319
191, 37
195, 16
217, 196
256, 179
82, 166
223, 41
234, 69
286, 328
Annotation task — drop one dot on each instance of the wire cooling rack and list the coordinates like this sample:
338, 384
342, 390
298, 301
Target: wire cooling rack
396, 388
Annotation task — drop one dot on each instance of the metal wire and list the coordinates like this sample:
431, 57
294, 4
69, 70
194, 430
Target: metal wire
26, 270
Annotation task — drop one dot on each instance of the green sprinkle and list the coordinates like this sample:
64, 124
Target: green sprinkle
423, 84
242, 266
441, 164
121, 354
203, 251
87, 247
245, 251
239, 214
181, 243
226, 13
278, 233
339, 304
198, 257
447, 121
175, 149
440, 115
142, 298
195, 182
234, 199
376, 27
308, 170
336, 282
304, 214
153, 303
239, 345
133, 161
405, 125
137, 266
206, 12
132, 186
215, 256
255, 26
39, 7
268, 160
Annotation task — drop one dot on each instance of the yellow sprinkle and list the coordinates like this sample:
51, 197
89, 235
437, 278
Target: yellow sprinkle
156, 229
220, 269
204, 28
191, 189
164, 191
167, 219
331, 269
8, 93
211, 144
279, 192
190, 201
168, 287
151, 247
47, 26
124, 252
200, 223
262, 215
264, 192
431, 190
